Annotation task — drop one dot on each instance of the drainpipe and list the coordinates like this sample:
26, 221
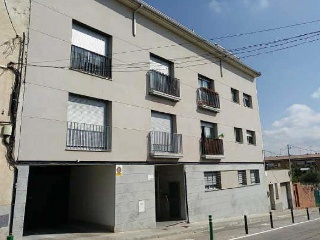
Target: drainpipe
134, 21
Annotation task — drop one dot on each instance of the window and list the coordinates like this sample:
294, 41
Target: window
90, 51
209, 130
254, 176
242, 178
87, 125
212, 180
251, 137
238, 135
204, 82
247, 100
162, 137
161, 79
206, 95
276, 190
235, 95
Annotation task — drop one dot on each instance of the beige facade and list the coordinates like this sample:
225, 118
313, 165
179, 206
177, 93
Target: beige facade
280, 189
10, 46
153, 187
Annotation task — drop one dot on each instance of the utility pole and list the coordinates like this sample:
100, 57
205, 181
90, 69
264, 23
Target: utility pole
290, 168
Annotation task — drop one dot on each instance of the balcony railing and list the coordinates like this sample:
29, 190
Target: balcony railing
89, 137
164, 85
208, 99
165, 143
212, 146
90, 62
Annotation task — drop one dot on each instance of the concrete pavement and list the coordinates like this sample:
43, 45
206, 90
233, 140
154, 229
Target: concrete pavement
223, 229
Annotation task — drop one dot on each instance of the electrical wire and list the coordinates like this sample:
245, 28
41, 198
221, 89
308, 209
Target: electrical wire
192, 42
5, 4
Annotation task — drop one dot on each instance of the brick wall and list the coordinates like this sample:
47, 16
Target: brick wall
303, 196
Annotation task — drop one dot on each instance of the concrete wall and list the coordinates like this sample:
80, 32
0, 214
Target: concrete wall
92, 195
45, 121
223, 203
279, 177
9, 51
136, 184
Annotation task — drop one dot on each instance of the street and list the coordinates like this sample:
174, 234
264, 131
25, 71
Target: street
300, 231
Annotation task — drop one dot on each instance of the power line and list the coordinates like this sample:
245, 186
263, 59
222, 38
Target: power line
210, 57
281, 49
193, 42
5, 4
266, 30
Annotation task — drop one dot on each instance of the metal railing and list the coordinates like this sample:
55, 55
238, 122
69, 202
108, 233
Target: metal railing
81, 136
208, 97
212, 146
165, 142
164, 83
90, 62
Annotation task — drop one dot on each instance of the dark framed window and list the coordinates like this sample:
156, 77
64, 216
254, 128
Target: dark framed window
212, 180
90, 50
247, 100
254, 176
251, 137
204, 82
235, 95
238, 135
242, 178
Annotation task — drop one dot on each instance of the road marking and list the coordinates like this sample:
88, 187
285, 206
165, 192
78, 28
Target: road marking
275, 229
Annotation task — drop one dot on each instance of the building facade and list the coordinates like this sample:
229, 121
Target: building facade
14, 18
129, 118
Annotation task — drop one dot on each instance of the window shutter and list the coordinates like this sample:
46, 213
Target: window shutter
89, 40
161, 122
159, 65
89, 111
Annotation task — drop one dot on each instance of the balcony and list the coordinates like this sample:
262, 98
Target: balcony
208, 99
90, 62
88, 137
165, 145
212, 148
164, 86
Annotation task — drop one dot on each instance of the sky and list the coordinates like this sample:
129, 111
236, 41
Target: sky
289, 88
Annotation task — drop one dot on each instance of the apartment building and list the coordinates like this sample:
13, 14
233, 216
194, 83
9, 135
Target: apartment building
129, 118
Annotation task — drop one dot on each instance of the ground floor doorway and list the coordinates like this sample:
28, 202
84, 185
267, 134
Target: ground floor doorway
67, 199
170, 192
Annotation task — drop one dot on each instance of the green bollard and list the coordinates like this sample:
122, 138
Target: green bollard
10, 237
210, 227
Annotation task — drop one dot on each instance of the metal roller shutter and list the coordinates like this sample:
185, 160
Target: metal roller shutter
161, 122
89, 40
88, 111
159, 65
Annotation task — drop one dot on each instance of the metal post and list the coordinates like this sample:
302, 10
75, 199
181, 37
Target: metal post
271, 220
246, 224
308, 215
319, 210
210, 227
292, 216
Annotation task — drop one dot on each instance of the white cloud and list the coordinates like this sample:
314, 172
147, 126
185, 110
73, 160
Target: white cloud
299, 127
257, 4
215, 5
264, 3
316, 94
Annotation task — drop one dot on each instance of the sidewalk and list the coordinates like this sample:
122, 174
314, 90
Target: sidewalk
223, 228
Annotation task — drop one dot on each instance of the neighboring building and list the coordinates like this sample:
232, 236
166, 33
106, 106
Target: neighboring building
282, 193
11, 50
129, 118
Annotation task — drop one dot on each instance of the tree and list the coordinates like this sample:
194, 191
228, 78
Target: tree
311, 177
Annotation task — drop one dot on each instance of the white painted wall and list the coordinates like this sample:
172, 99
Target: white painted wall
92, 194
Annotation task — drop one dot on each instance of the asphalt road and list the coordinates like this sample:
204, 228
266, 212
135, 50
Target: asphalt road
301, 231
